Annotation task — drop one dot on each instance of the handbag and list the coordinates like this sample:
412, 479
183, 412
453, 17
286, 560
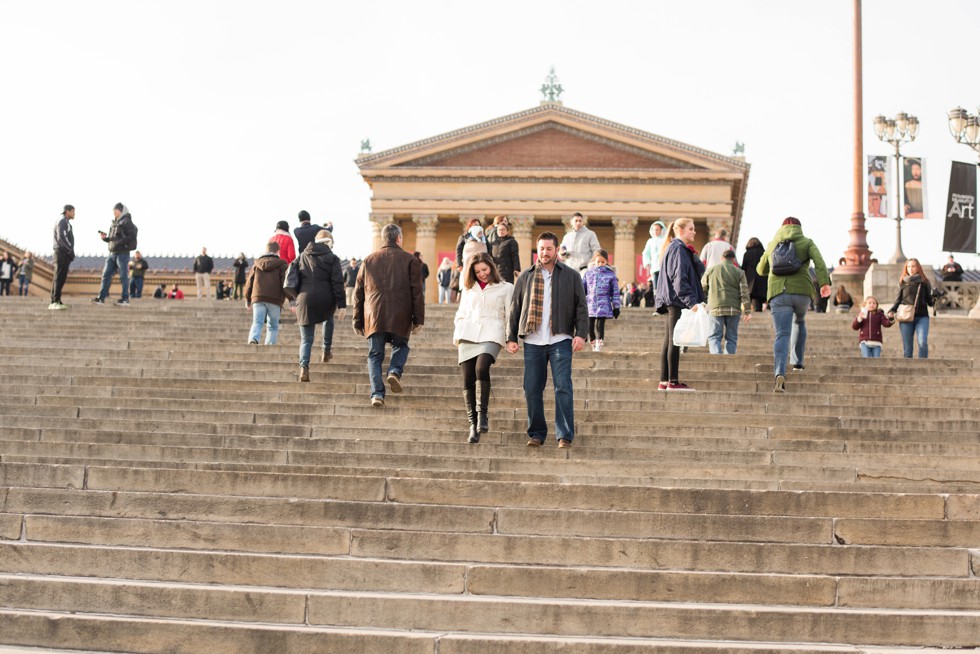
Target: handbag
906, 312
692, 328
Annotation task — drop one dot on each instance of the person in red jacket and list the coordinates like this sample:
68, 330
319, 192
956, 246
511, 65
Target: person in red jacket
868, 324
287, 249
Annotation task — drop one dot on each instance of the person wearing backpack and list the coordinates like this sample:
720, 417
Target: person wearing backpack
787, 262
122, 240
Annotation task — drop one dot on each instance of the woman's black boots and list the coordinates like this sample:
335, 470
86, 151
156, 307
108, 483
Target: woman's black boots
469, 394
483, 395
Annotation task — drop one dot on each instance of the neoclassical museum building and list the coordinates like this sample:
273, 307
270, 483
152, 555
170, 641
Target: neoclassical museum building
540, 166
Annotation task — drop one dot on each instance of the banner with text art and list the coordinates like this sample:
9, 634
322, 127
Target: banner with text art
878, 186
961, 209
914, 188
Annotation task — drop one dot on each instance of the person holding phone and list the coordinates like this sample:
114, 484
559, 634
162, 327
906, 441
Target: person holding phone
868, 324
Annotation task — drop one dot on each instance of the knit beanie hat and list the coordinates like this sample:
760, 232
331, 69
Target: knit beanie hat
304, 216
283, 225
791, 221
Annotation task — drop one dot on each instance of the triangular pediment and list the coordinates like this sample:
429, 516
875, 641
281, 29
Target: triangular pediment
549, 145
550, 137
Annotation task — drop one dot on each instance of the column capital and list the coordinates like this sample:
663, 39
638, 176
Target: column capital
625, 226
467, 217
427, 223
521, 226
381, 219
714, 224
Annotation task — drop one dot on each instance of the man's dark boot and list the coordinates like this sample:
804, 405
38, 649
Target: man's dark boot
483, 395
469, 394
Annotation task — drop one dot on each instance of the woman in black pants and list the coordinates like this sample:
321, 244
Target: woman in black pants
679, 287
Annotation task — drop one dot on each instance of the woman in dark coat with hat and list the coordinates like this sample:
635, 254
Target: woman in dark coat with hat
758, 284
318, 284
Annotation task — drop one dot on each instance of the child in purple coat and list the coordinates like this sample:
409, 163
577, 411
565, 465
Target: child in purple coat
602, 297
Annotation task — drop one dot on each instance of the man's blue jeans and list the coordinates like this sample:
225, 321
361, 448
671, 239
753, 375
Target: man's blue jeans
376, 354
307, 335
919, 329
25, 285
788, 309
870, 351
727, 325
118, 261
268, 313
536, 361
136, 287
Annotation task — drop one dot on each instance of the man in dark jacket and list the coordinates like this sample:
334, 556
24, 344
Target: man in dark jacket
203, 265
306, 232
388, 308
319, 291
137, 271
122, 240
549, 312
350, 279
64, 254
264, 294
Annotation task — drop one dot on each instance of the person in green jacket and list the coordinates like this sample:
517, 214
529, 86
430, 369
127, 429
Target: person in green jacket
728, 300
790, 295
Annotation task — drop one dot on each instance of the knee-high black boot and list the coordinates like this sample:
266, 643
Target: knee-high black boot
469, 395
483, 395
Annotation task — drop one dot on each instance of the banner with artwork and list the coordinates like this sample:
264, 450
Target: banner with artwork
878, 186
914, 188
961, 209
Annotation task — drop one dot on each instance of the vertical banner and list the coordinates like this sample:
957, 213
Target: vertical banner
877, 186
961, 209
914, 188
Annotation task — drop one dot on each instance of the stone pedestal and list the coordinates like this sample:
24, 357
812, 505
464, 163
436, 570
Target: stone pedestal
881, 280
852, 280
521, 228
975, 311
425, 244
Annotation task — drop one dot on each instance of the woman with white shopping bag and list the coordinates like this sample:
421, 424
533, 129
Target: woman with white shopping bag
678, 288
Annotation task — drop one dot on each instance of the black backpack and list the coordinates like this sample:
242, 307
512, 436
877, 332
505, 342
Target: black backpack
783, 260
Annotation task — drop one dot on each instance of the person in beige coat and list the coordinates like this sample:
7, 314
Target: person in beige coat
388, 308
480, 333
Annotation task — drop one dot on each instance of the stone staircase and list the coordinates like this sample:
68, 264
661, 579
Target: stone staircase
166, 488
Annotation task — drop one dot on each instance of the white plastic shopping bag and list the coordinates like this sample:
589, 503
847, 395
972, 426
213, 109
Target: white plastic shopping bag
693, 328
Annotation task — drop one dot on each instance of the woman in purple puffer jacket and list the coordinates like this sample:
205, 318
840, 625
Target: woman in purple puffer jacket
602, 297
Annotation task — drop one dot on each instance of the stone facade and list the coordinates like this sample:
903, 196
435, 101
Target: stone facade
538, 167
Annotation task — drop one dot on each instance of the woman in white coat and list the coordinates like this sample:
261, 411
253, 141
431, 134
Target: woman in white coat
481, 332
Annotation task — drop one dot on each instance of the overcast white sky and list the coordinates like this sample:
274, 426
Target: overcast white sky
212, 120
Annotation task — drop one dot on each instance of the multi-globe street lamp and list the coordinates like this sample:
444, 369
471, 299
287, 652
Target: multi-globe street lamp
965, 127
896, 131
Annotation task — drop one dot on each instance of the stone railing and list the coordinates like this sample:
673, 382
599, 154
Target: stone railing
959, 295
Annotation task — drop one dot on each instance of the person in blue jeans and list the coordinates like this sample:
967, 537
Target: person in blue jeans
789, 296
319, 288
264, 294
548, 311
914, 290
122, 240
388, 308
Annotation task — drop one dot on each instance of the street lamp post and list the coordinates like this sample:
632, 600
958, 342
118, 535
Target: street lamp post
896, 131
965, 128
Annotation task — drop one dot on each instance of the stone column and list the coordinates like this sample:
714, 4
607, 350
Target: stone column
624, 253
425, 243
378, 221
522, 227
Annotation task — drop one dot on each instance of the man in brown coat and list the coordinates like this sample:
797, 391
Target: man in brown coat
264, 294
388, 308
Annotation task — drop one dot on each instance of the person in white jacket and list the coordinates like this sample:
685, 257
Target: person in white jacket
481, 332
651, 252
581, 243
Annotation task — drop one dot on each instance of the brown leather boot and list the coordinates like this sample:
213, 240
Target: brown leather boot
304, 374
326, 356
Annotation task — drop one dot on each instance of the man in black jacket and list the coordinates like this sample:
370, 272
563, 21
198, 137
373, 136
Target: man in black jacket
203, 266
549, 312
64, 254
305, 233
121, 239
